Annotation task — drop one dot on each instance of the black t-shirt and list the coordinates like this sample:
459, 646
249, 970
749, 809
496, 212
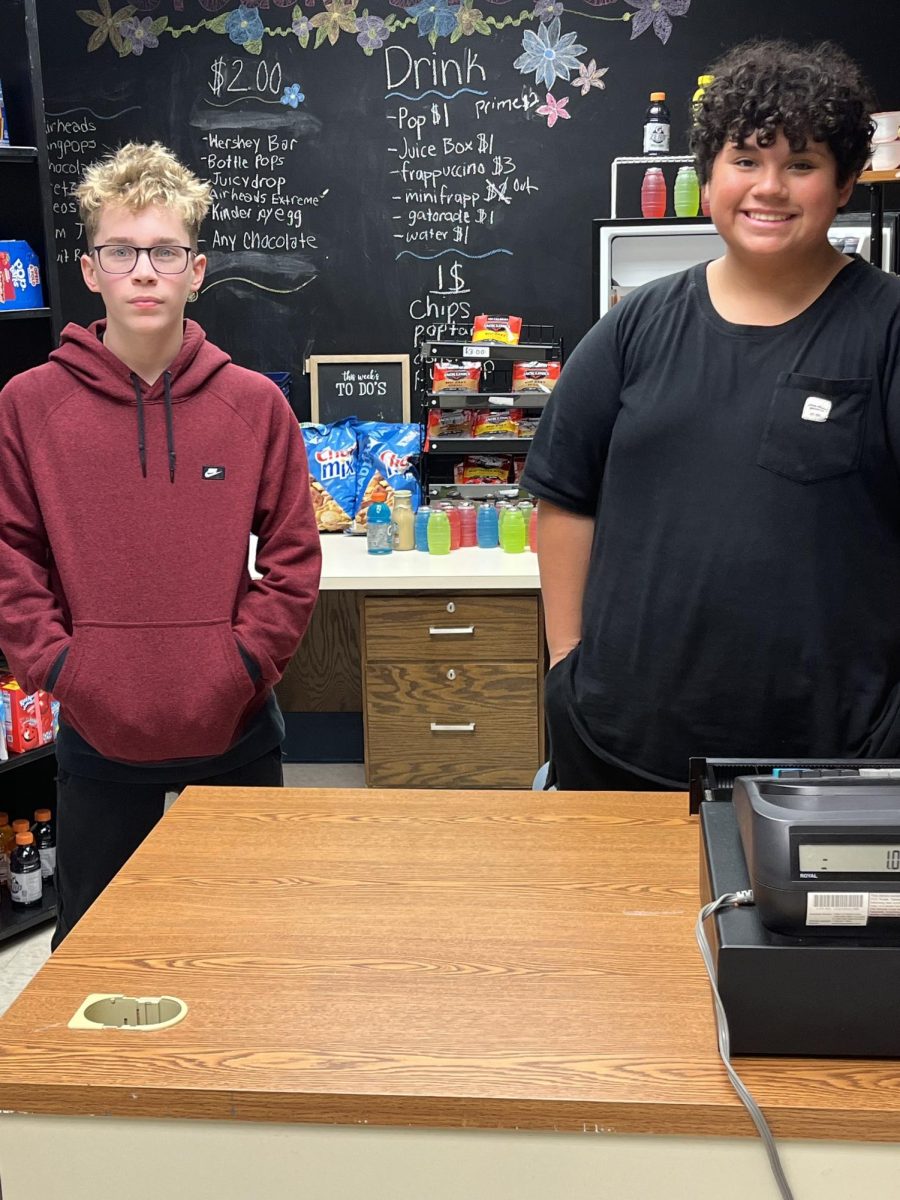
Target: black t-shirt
743, 596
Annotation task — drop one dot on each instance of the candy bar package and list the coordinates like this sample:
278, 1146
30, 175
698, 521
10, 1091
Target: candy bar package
331, 454
387, 452
503, 330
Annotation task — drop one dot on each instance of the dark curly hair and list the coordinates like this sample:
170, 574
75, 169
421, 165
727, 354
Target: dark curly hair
814, 93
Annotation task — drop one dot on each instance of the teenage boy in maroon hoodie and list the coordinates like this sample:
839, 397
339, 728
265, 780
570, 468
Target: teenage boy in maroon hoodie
135, 465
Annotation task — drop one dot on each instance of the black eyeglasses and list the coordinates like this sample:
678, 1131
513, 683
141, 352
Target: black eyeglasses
121, 260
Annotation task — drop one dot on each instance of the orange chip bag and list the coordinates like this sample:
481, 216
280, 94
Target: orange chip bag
505, 330
535, 376
455, 377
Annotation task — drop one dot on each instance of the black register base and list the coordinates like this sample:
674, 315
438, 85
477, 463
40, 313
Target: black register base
825, 997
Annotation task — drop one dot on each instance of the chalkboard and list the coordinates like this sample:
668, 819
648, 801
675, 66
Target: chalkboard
373, 387
383, 174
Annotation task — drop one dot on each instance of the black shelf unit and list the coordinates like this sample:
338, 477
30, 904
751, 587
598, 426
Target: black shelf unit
538, 343
26, 338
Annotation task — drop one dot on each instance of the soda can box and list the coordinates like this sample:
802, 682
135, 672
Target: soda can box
4, 128
20, 277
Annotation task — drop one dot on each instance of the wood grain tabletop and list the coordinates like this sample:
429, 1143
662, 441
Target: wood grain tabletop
496, 959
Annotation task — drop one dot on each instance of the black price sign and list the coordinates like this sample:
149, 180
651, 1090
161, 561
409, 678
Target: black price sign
373, 387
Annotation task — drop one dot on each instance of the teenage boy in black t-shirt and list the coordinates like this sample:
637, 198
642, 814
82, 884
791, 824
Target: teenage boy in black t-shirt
719, 466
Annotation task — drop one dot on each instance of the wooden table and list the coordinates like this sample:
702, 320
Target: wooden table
408, 995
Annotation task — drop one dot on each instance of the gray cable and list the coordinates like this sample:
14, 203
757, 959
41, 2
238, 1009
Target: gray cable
736, 900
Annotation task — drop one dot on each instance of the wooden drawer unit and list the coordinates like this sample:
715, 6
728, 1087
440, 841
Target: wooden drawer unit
463, 627
453, 690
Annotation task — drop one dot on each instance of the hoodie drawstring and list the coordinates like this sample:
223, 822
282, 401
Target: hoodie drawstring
170, 432
142, 433
142, 436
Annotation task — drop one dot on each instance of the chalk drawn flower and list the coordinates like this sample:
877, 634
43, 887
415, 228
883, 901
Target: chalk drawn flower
590, 76
138, 35
657, 13
301, 26
554, 109
546, 10
338, 15
372, 32
469, 20
106, 25
549, 55
292, 95
435, 17
244, 25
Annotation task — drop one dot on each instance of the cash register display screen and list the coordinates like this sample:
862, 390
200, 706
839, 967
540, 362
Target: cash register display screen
824, 857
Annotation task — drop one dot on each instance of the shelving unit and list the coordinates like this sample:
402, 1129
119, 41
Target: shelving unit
875, 181
26, 338
538, 344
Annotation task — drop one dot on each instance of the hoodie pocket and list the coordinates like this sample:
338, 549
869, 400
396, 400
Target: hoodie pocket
154, 693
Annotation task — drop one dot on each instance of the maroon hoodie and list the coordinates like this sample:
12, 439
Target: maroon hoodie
125, 515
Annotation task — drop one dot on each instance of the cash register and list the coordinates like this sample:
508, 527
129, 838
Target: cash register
812, 967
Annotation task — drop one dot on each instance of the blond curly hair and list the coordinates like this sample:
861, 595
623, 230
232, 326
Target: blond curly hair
138, 176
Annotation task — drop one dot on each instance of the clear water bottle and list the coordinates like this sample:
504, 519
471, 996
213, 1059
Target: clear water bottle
379, 528
421, 528
515, 532
486, 527
439, 532
468, 535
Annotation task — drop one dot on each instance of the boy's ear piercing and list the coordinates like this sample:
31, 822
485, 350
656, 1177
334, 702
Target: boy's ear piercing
192, 297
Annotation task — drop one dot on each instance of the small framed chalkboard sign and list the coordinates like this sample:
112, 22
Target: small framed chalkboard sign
373, 387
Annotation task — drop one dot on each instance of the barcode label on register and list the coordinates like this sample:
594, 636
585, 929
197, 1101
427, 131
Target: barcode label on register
837, 908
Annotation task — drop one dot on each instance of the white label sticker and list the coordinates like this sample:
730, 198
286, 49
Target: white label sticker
476, 352
884, 904
816, 408
837, 908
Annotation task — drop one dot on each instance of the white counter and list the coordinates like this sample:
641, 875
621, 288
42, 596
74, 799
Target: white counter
347, 566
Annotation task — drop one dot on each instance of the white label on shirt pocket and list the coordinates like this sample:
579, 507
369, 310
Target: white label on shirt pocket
816, 408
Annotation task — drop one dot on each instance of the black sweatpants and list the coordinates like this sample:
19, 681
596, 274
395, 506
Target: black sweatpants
100, 824
574, 766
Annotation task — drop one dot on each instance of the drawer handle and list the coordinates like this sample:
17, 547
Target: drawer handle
435, 728
459, 630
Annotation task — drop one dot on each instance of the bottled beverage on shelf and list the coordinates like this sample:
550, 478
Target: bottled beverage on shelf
45, 840
421, 528
7, 844
657, 125
703, 82
438, 532
20, 826
379, 534
25, 887
687, 192
404, 521
503, 510
532, 530
486, 527
515, 532
525, 507
467, 521
653, 193
455, 528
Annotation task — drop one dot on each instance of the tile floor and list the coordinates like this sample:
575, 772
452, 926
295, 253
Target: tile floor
23, 956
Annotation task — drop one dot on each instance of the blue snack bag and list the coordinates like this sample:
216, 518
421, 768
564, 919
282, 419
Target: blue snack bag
386, 460
332, 455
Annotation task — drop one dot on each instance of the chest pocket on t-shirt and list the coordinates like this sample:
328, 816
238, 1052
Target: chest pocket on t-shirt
815, 426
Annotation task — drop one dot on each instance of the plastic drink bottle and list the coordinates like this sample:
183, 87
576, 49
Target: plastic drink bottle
438, 532
687, 192
532, 530
379, 532
653, 193
45, 840
25, 888
421, 528
455, 527
467, 521
7, 845
404, 521
703, 82
486, 527
515, 532
657, 125
503, 509
525, 507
